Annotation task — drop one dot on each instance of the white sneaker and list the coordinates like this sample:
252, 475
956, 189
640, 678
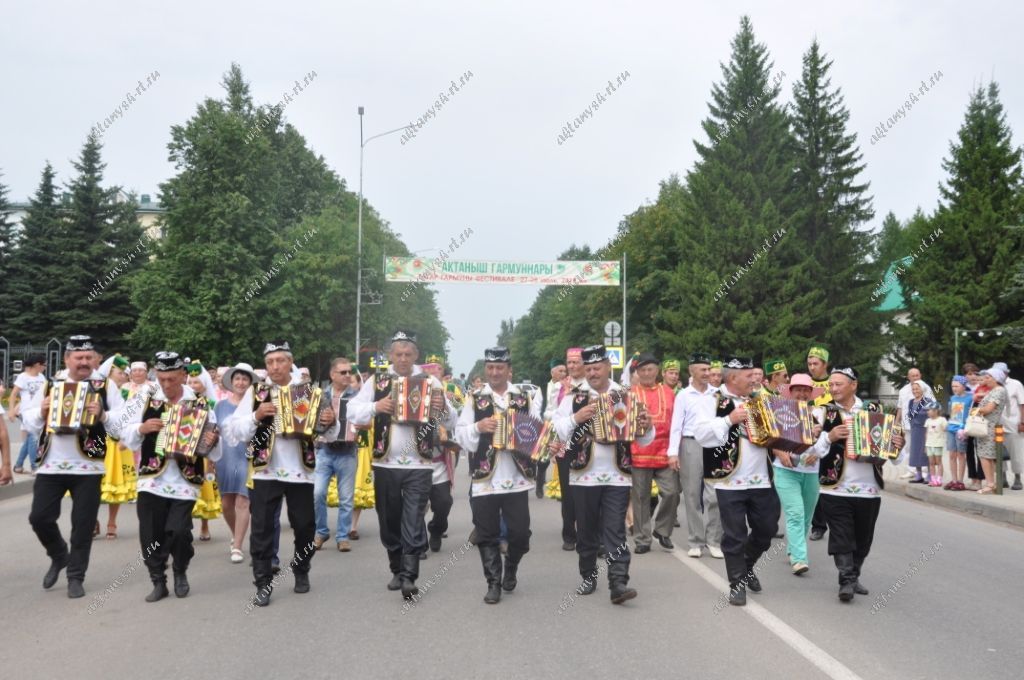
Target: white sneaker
716, 552
907, 475
693, 552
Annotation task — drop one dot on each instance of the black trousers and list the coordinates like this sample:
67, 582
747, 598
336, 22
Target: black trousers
265, 499
440, 506
568, 506
542, 475
47, 493
851, 524
488, 511
818, 520
165, 530
401, 502
760, 508
601, 519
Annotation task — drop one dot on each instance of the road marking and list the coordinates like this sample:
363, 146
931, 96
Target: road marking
825, 662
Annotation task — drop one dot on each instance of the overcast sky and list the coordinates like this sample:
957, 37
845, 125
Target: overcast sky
490, 159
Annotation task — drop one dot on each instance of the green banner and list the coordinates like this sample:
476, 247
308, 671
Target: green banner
559, 273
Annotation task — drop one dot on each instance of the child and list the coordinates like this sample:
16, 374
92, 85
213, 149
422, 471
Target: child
934, 443
956, 443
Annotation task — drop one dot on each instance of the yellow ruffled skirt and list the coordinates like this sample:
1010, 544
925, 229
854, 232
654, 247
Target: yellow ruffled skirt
332, 492
364, 497
119, 480
208, 504
553, 489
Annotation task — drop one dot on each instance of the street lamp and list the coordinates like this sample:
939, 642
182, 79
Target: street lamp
359, 246
980, 332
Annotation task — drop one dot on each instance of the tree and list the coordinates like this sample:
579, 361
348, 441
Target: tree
964, 258
832, 274
38, 267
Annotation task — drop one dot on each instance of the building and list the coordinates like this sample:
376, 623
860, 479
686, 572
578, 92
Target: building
148, 212
893, 301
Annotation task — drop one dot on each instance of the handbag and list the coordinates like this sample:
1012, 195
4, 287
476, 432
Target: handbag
976, 425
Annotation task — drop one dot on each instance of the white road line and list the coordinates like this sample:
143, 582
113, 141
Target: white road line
828, 664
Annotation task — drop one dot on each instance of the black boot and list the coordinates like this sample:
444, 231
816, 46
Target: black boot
57, 564
857, 587
847, 575
618, 577
490, 558
301, 582
263, 591
753, 582
159, 590
410, 572
180, 584
508, 579
588, 572
262, 571
75, 589
395, 564
736, 572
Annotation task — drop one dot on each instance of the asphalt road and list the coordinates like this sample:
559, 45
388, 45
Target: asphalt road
956, 615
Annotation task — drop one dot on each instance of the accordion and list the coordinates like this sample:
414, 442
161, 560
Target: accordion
185, 423
542, 448
618, 417
68, 401
780, 423
870, 438
411, 397
515, 431
298, 410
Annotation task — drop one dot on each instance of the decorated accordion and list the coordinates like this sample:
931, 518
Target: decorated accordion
780, 423
298, 410
870, 438
411, 397
185, 423
515, 431
68, 401
542, 448
618, 417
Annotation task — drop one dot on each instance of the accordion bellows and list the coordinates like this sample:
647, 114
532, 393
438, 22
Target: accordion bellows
779, 423
870, 438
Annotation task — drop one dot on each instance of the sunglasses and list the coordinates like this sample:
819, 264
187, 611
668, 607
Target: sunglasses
344, 372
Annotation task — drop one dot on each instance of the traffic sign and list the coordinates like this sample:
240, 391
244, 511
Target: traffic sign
613, 328
614, 355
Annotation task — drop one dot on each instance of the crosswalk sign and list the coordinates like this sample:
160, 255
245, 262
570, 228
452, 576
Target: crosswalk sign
614, 355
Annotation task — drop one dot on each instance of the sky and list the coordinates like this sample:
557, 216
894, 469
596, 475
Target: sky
490, 159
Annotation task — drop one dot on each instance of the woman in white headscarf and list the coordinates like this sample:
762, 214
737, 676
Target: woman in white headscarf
991, 408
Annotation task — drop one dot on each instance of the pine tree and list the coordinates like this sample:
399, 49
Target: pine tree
8, 246
832, 276
729, 292
964, 257
38, 266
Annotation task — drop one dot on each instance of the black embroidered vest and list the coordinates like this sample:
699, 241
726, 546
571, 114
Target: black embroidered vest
830, 469
580, 448
722, 461
425, 434
152, 460
262, 443
482, 461
92, 441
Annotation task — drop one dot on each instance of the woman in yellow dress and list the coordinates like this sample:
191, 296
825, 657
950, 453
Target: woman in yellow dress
118, 485
364, 494
208, 504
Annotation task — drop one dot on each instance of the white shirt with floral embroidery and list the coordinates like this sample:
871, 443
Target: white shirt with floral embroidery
858, 479
712, 431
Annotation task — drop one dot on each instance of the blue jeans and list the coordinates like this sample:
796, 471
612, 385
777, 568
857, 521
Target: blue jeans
328, 464
28, 450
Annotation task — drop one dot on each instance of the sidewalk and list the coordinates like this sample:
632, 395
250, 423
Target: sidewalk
22, 483
1008, 507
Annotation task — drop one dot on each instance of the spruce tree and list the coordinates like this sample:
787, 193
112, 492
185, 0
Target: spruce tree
964, 258
33, 289
832, 276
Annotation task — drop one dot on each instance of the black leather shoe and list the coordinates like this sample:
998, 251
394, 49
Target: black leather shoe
846, 592
409, 589
540, 493
159, 592
738, 596
53, 573
676, 524
262, 597
569, 545
472, 537
508, 579
753, 582
859, 589
75, 589
664, 541
301, 583
816, 534
180, 585
435, 542
493, 595
423, 555
276, 569
395, 583
621, 593
641, 549
587, 586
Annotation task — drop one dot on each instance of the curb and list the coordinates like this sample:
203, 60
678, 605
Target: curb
1007, 508
15, 490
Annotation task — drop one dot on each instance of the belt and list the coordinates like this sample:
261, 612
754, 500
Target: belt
686, 436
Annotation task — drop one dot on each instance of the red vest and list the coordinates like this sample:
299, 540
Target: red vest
659, 400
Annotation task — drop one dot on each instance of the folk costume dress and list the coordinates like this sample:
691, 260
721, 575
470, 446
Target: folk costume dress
208, 505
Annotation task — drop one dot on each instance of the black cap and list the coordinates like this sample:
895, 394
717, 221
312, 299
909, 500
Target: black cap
276, 346
594, 354
737, 362
849, 371
404, 336
79, 343
498, 355
168, 361
700, 358
644, 359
